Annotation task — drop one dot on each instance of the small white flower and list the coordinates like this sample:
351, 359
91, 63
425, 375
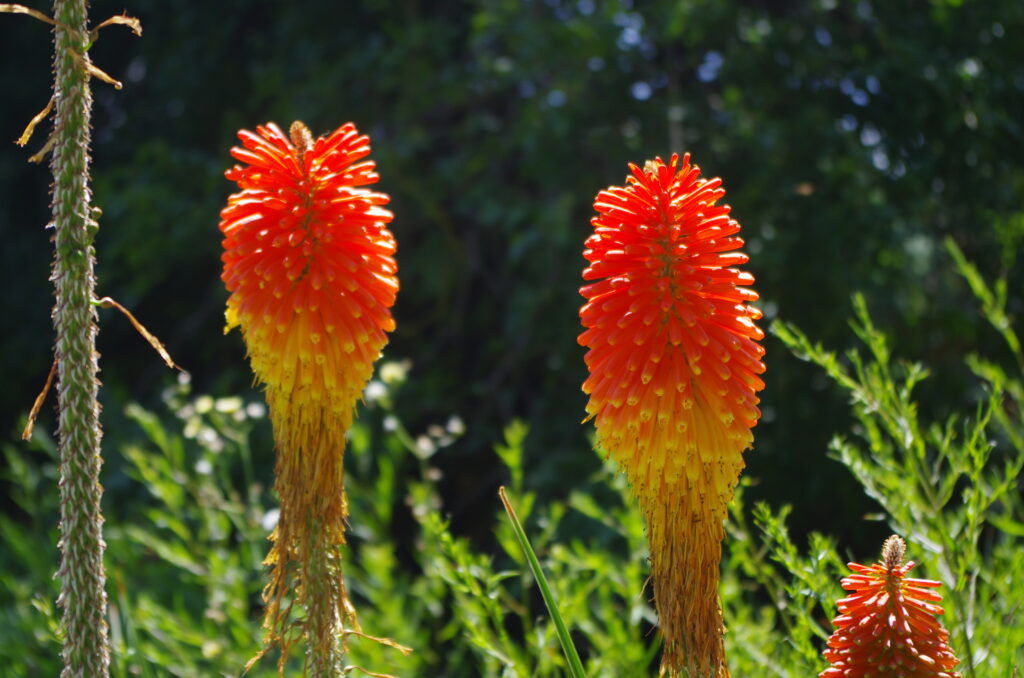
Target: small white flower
394, 372
269, 521
209, 439
226, 405
425, 446
204, 404
374, 391
455, 425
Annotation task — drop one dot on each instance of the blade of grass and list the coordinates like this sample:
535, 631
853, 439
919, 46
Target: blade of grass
571, 656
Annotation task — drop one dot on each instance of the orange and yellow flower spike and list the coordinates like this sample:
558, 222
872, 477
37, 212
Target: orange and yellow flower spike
888, 626
673, 359
308, 260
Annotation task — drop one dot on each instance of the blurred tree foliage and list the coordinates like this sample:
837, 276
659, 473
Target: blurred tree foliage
852, 136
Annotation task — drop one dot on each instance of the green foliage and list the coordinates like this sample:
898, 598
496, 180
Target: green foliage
951, 487
185, 559
852, 137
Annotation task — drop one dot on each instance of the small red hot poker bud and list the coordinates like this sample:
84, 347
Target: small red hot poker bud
888, 626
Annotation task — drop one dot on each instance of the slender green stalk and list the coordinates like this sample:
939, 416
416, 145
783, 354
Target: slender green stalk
83, 597
571, 656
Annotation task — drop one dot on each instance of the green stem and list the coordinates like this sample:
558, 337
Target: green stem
83, 597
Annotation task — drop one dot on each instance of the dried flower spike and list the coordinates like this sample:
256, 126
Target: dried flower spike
308, 260
888, 626
83, 596
674, 358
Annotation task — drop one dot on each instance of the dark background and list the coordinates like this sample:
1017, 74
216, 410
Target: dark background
852, 136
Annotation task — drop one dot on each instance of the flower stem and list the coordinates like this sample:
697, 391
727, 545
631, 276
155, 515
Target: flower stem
686, 550
308, 542
325, 606
83, 597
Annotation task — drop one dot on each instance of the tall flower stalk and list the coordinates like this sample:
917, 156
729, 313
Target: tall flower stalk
83, 597
308, 260
674, 361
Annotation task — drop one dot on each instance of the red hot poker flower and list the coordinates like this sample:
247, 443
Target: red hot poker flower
674, 361
888, 627
308, 260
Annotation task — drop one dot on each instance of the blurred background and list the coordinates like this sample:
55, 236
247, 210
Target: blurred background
853, 137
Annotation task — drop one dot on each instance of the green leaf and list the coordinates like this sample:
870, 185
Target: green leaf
575, 665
